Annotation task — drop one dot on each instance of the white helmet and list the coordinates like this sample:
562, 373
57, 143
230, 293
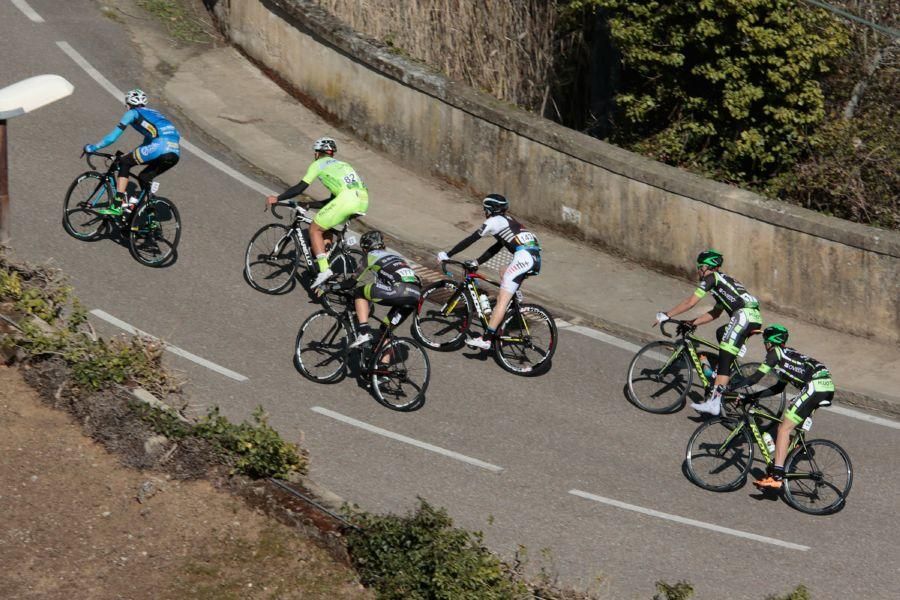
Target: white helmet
325, 144
136, 97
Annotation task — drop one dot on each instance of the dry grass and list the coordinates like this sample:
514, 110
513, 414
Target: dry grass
501, 47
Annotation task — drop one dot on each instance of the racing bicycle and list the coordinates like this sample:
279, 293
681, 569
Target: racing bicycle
395, 369
277, 251
152, 228
720, 454
524, 343
660, 376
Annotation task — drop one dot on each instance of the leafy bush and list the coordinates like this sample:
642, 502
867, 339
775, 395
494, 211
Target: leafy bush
421, 555
799, 593
679, 591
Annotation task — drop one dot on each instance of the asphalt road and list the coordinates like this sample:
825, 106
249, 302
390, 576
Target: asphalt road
569, 430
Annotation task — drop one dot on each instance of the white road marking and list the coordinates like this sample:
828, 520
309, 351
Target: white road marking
258, 187
407, 440
29, 12
118, 94
173, 349
855, 414
686, 521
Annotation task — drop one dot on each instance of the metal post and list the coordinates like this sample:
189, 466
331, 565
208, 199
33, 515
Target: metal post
4, 186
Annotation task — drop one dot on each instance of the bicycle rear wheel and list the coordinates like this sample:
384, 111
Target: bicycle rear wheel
659, 377
442, 319
719, 455
526, 341
818, 477
320, 352
270, 261
89, 193
155, 232
400, 375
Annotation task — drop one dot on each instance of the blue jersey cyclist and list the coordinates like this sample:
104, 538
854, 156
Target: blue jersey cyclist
521, 243
159, 152
803, 372
742, 308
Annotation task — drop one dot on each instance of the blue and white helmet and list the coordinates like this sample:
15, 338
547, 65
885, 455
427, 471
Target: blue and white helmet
136, 97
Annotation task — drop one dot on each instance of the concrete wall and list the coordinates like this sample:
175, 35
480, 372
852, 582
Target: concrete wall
826, 270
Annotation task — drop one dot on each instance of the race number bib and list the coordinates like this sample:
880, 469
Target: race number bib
406, 275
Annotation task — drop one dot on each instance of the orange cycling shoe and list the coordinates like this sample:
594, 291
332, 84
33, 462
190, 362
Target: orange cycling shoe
768, 482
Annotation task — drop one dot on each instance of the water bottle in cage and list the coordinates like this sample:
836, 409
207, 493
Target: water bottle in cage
485, 304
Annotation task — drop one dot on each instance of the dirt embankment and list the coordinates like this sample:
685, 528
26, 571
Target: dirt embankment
78, 524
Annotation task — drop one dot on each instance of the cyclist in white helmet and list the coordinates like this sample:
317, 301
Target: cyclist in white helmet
349, 197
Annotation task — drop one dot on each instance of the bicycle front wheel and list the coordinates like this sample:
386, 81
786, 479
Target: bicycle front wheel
400, 375
659, 377
89, 193
818, 476
719, 455
320, 352
443, 316
527, 341
155, 232
270, 261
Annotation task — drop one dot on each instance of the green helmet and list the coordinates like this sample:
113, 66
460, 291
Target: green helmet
775, 334
710, 258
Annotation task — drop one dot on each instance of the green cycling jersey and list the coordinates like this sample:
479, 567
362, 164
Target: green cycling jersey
334, 174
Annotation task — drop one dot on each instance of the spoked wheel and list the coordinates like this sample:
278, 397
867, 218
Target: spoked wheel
719, 455
320, 352
400, 375
270, 262
818, 477
659, 377
442, 319
155, 232
773, 404
89, 193
527, 341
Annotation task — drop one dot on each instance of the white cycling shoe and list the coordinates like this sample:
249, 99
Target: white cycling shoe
362, 339
478, 342
711, 406
322, 277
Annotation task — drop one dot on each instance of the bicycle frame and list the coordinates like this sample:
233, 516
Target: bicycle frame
297, 229
749, 419
110, 177
691, 341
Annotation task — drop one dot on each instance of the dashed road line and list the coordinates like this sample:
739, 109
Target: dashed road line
685, 521
173, 349
407, 440
28, 11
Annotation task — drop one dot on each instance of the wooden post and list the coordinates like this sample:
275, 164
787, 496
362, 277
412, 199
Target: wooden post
4, 186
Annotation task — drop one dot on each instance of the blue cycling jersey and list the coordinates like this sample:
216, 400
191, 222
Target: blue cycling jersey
151, 124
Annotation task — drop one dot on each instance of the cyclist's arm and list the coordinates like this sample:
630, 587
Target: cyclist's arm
708, 317
683, 306
770, 391
113, 135
465, 243
293, 192
490, 252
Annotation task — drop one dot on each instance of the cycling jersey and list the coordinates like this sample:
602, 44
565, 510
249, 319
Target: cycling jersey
807, 374
510, 233
389, 268
335, 175
792, 366
396, 285
728, 292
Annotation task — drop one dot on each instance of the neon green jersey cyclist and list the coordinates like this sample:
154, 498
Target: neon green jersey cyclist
349, 197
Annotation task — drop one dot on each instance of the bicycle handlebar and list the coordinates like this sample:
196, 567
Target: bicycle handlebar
293, 206
683, 327
111, 157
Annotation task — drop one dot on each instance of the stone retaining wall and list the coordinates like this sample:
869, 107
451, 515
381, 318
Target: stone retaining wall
826, 270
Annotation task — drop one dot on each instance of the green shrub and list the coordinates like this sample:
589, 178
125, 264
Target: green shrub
799, 593
421, 555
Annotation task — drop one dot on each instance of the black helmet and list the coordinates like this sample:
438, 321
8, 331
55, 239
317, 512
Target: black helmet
372, 240
495, 204
710, 258
775, 334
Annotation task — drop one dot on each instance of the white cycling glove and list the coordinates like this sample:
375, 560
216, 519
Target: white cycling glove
442, 256
662, 317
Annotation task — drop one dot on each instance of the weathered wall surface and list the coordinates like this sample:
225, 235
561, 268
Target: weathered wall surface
829, 271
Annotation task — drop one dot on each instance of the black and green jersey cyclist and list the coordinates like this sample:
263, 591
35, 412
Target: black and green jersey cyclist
385, 279
349, 197
805, 373
737, 302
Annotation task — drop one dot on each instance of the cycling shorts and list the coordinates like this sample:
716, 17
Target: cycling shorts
817, 392
524, 264
743, 322
345, 205
403, 298
155, 149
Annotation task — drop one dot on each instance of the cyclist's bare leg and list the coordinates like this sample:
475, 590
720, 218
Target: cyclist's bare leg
317, 240
503, 299
362, 310
783, 440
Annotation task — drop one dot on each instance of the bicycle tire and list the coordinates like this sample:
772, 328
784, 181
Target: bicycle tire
436, 328
84, 203
154, 232
270, 261
829, 476
320, 350
774, 405
705, 456
526, 342
401, 375
656, 363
